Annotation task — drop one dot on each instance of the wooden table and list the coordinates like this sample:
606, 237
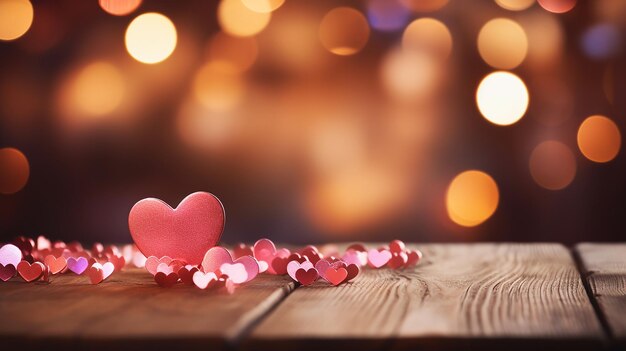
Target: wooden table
461, 296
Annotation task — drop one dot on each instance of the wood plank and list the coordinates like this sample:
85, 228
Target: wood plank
487, 296
604, 267
128, 310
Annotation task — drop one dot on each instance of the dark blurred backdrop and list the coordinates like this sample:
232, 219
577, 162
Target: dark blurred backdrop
322, 120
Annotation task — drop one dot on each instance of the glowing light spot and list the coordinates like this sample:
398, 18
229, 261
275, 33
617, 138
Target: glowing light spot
515, 5
263, 6
16, 17
502, 43
601, 41
344, 31
151, 38
552, 165
354, 198
387, 15
472, 198
119, 7
502, 98
14, 170
98, 89
204, 130
238, 20
217, 86
557, 6
429, 35
545, 38
599, 139
424, 5
240, 52
410, 75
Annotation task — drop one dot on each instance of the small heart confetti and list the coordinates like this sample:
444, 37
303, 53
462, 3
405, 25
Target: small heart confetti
204, 280
95, 273
336, 276
10, 254
77, 265
55, 264
7, 272
377, 258
306, 276
166, 280
30, 272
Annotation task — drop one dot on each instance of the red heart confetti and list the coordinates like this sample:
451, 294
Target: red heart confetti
306, 276
7, 272
336, 276
95, 273
30, 272
166, 280
55, 264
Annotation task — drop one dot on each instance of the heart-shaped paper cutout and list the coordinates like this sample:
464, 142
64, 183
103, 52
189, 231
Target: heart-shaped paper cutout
293, 266
7, 272
336, 276
377, 258
30, 272
185, 233
166, 280
10, 254
241, 270
153, 262
398, 260
413, 258
235, 271
107, 269
306, 276
95, 273
353, 270
77, 265
185, 274
55, 264
204, 280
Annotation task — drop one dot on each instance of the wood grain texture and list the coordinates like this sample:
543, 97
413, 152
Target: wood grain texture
604, 267
487, 296
130, 310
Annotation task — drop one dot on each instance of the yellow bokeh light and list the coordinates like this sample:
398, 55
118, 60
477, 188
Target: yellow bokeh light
151, 38
119, 7
429, 35
239, 52
552, 165
98, 89
515, 5
410, 75
599, 139
344, 31
502, 98
502, 43
14, 170
545, 39
238, 20
217, 86
205, 130
263, 6
472, 198
16, 17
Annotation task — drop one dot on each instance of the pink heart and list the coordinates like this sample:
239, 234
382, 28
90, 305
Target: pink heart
10, 254
323, 265
218, 258
164, 268
7, 272
152, 263
355, 257
204, 280
293, 266
78, 265
107, 269
264, 250
377, 258
185, 233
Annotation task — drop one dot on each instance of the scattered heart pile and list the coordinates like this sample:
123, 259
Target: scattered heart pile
37, 260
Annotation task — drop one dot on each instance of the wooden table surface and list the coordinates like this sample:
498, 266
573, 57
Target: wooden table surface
461, 296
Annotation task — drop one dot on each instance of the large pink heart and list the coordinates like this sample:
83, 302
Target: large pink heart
183, 233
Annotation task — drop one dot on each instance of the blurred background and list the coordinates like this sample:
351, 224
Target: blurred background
316, 121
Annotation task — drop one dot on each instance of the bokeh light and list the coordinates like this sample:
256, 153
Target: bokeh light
502, 43
599, 139
204, 130
552, 165
238, 20
545, 39
239, 52
151, 38
429, 35
387, 15
502, 98
410, 75
263, 6
14, 170
515, 5
424, 5
119, 7
601, 41
97, 90
472, 197
344, 31
16, 16
557, 6
217, 86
